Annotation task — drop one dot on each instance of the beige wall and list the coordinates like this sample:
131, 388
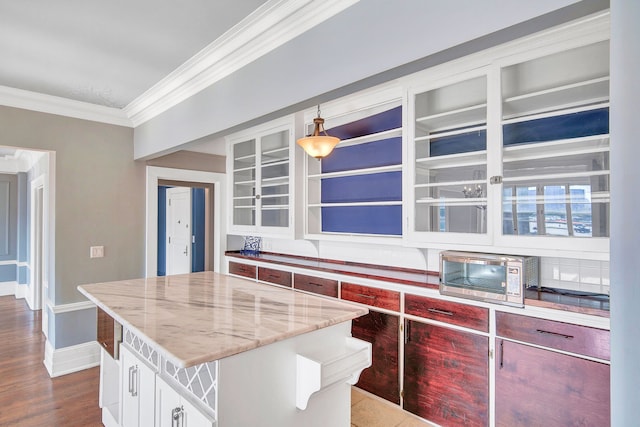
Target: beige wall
99, 196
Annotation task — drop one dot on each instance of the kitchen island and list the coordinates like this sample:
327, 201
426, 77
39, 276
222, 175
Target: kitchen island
210, 349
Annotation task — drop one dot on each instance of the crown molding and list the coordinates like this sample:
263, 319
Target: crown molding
28, 100
268, 27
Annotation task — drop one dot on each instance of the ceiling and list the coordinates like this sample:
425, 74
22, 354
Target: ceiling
106, 52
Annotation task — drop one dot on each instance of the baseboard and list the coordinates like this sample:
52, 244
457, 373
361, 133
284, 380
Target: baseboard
8, 288
67, 360
21, 291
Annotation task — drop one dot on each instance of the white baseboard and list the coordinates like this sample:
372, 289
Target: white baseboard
71, 359
8, 288
21, 291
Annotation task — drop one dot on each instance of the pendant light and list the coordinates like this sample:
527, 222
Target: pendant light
319, 144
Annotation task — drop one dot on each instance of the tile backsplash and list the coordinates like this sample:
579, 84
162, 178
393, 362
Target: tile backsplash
575, 274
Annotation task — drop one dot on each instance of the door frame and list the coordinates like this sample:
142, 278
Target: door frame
218, 180
169, 259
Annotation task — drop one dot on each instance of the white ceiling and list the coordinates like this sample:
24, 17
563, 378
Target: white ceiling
106, 52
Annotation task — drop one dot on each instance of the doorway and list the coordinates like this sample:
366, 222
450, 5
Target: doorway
214, 185
184, 227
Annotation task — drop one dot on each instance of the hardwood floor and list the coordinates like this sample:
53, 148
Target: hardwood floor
28, 397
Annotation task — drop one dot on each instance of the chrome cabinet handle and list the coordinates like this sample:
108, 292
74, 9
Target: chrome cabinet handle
133, 380
177, 417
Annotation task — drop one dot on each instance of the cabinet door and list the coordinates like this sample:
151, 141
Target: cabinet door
446, 375
138, 391
261, 195
382, 331
168, 405
447, 192
172, 410
538, 387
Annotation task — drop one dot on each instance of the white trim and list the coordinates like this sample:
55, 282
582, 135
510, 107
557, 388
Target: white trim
9, 262
71, 359
33, 101
268, 27
21, 291
218, 180
67, 308
8, 288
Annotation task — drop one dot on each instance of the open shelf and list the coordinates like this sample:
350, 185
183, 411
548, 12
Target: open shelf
570, 95
467, 116
355, 172
563, 147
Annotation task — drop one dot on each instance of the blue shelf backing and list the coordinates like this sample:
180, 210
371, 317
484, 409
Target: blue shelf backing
387, 120
382, 220
384, 152
375, 187
575, 125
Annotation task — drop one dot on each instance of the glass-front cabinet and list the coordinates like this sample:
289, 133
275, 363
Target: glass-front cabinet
514, 154
555, 148
448, 182
260, 161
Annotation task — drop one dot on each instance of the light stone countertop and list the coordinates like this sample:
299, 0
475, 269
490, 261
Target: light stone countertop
200, 317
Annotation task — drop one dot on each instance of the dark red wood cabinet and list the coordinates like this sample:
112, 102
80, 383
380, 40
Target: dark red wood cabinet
375, 297
277, 277
539, 387
382, 331
244, 270
446, 375
317, 285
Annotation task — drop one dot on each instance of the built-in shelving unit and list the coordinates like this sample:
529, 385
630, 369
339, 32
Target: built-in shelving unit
448, 148
261, 196
357, 189
555, 131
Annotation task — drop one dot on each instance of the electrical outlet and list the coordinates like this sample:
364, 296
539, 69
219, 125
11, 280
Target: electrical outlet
96, 251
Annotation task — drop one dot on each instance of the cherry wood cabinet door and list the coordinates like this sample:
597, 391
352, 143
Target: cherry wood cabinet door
382, 331
446, 375
538, 387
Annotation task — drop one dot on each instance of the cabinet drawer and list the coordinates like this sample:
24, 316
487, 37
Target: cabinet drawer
558, 335
242, 270
454, 313
316, 285
375, 297
274, 276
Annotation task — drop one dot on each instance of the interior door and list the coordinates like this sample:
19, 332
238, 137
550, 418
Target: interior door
178, 230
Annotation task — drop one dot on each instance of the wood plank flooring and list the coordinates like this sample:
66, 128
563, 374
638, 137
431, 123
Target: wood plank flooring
28, 397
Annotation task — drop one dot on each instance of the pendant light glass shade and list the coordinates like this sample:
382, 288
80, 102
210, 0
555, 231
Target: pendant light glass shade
319, 144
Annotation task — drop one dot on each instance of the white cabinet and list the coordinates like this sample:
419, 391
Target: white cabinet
513, 155
448, 184
173, 410
260, 161
138, 391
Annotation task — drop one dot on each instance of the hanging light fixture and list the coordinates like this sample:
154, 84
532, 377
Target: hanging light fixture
319, 144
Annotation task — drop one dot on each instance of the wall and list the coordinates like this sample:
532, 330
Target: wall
370, 42
99, 200
625, 233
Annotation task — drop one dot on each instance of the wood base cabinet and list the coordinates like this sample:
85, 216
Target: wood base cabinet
538, 387
382, 331
446, 375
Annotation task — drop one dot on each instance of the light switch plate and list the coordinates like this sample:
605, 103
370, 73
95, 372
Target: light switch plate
96, 251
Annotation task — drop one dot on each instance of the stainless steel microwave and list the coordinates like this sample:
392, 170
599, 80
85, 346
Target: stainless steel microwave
487, 277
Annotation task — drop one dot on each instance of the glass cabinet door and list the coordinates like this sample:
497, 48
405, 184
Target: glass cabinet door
244, 183
261, 197
555, 138
450, 158
274, 183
